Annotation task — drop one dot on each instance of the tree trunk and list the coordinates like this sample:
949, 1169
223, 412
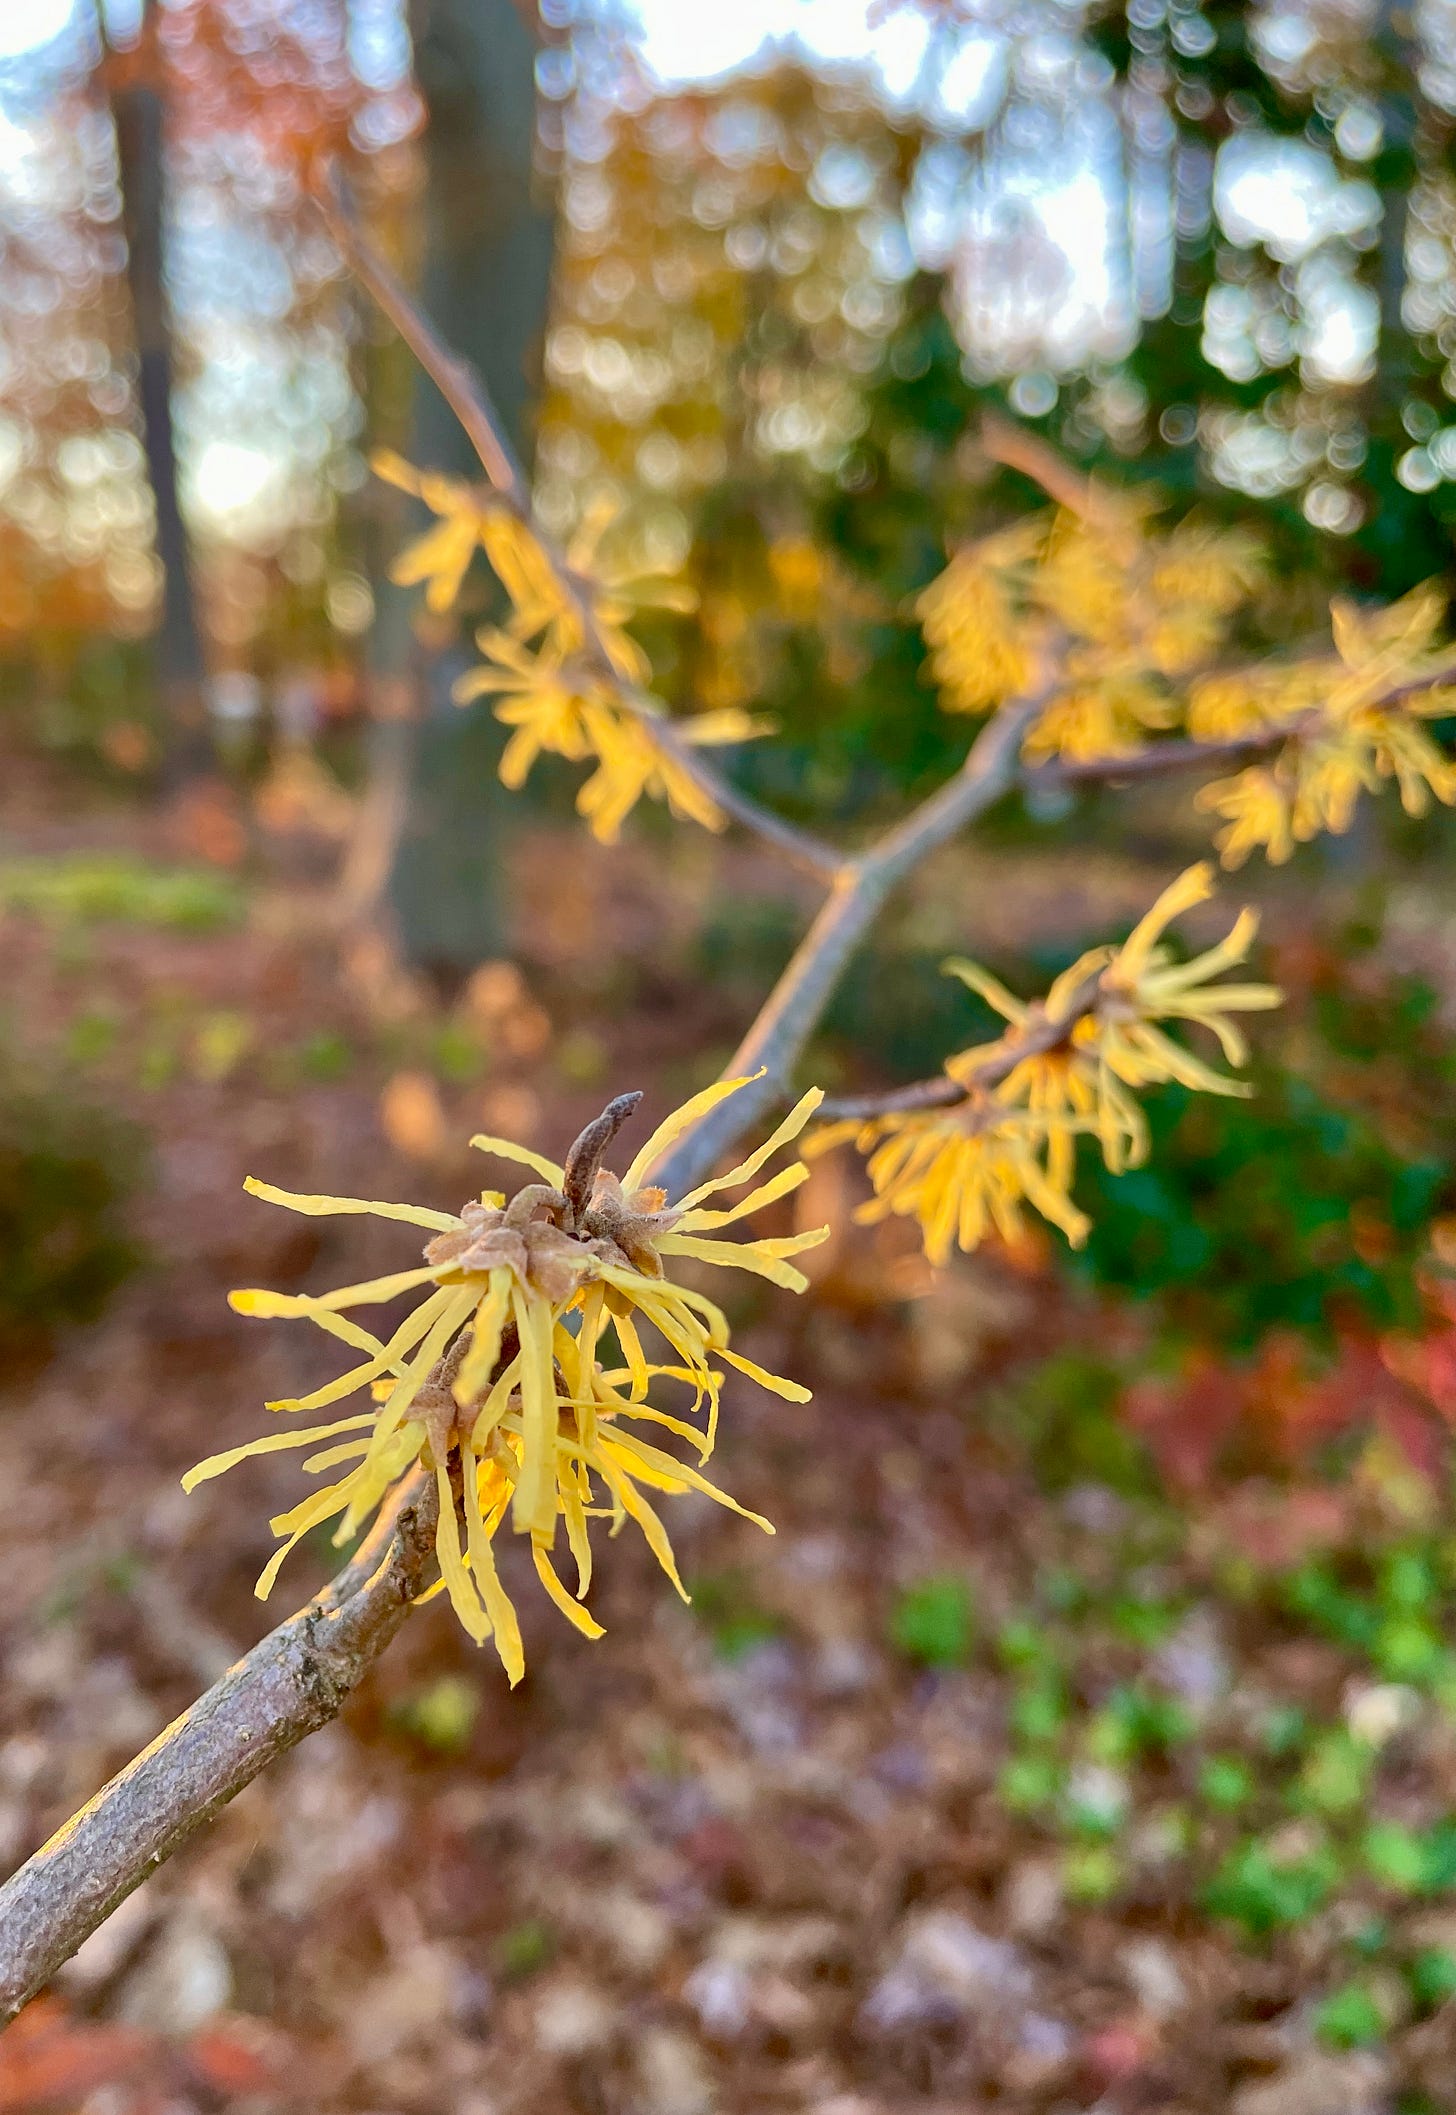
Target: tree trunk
488, 253
139, 116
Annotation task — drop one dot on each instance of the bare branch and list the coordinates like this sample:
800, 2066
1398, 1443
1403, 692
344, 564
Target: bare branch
940, 1093
288, 1686
467, 396
1006, 442
1167, 759
802, 848
796, 1004
458, 383
1039, 1033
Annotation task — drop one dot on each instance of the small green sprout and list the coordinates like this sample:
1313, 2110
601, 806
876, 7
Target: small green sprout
933, 1622
326, 1056
1336, 1774
523, 1949
1029, 1783
1225, 1782
1022, 1643
1405, 1649
1039, 1710
1432, 1976
1350, 2018
1264, 1892
1091, 1873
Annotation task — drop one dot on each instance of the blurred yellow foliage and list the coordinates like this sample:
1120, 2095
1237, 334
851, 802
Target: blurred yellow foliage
1124, 612
1365, 704
1123, 625
567, 671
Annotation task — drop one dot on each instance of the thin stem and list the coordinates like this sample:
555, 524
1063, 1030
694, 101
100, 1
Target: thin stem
466, 394
796, 1004
1166, 759
940, 1093
1038, 1034
1006, 442
458, 383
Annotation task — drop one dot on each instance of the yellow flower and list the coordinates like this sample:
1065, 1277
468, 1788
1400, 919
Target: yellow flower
1084, 577
1199, 578
469, 521
498, 1383
1314, 784
1365, 704
1390, 639
1241, 701
1129, 612
1095, 1035
547, 701
1257, 814
1098, 717
972, 620
1068, 1065
613, 593
1044, 1065
631, 762
1406, 753
557, 704
1143, 985
962, 1172
573, 613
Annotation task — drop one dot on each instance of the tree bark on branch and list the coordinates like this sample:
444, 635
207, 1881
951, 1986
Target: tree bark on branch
291, 1683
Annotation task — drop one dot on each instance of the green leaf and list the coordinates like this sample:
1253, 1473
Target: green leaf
1029, 1783
1350, 2018
1264, 1892
933, 1622
1336, 1774
1091, 1873
1225, 1782
1432, 1974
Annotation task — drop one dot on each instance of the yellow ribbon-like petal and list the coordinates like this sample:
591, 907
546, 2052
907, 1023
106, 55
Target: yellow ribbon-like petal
326, 1207
672, 1128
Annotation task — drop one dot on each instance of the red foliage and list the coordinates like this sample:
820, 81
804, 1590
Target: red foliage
48, 2059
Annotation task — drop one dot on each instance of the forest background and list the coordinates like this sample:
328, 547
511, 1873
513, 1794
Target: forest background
1085, 1737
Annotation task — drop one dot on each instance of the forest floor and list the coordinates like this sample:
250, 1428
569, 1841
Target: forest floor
753, 1855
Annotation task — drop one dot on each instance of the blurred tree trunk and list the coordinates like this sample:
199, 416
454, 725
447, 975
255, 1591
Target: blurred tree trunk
488, 255
138, 114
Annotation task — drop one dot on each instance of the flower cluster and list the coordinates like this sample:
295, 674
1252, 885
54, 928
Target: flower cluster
1130, 612
1068, 1065
521, 1380
569, 674
1131, 617
552, 702
1364, 706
